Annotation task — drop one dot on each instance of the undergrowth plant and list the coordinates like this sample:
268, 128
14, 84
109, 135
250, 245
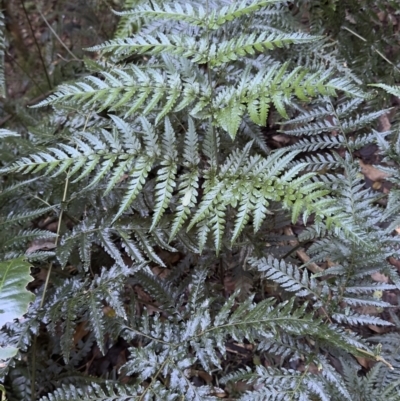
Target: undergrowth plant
156, 170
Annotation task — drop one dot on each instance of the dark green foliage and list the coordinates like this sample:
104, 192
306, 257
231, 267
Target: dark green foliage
156, 170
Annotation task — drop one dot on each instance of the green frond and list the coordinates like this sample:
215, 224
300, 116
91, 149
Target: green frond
218, 226
213, 196
120, 86
260, 209
237, 10
128, 23
249, 44
393, 90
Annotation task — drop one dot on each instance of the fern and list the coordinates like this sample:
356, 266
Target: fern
196, 190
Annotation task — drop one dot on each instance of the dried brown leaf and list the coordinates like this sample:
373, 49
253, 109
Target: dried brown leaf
371, 172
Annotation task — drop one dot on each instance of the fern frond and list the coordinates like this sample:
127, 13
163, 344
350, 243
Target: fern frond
353, 318
174, 12
199, 16
237, 10
108, 245
162, 291
126, 24
5, 133
96, 319
166, 175
23, 236
94, 391
155, 173
249, 44
137, 179
287, 276
393, 90
26, 215
120, 86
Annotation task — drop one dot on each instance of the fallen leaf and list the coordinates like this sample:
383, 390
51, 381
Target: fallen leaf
377, 329
281, 138
219, 393
384, 123
161, 272
394, 262
301, 253
364, 362
53, 227
372, 172
368, 310
80, 332
202, 374
379, 277
40, 245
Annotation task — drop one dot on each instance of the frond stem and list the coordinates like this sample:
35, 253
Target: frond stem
37, 46
46, 284
57, 37
153, 379
377, 358
213, 133
147, 336
299, 382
